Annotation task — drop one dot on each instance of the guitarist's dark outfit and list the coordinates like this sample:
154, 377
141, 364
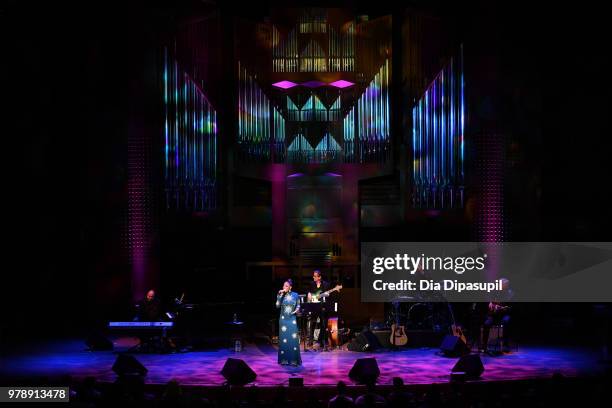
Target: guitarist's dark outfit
500, 317
312, 320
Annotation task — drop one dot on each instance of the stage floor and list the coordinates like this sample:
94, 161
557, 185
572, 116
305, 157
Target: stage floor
415, 366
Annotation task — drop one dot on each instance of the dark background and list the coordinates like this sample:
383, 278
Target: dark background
76, 77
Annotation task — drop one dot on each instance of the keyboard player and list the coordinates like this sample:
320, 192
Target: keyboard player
149, 308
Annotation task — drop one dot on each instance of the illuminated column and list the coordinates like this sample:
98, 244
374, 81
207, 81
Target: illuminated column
140, 210
490, 168
490, 217
277, 175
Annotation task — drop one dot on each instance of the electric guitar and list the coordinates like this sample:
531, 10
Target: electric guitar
317, 298
495, 308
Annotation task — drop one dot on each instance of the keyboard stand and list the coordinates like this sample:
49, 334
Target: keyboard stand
153, 344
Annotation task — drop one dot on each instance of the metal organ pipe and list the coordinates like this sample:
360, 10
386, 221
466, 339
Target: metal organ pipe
190, 141
438, 140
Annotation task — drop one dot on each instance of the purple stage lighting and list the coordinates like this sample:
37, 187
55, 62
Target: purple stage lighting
342, 84
284, 84
313, 84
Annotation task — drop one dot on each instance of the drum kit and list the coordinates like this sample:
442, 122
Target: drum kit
413, 314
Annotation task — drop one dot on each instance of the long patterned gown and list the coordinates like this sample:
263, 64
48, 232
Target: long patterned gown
288, 337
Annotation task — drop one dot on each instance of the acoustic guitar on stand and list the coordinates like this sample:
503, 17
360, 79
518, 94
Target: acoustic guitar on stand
398, 335
398, 332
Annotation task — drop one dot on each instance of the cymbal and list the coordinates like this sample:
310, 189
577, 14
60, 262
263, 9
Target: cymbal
402, 298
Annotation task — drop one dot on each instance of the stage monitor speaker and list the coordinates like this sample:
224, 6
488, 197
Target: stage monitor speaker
97, 342
453, 346
457, 377
365, 341
364, 371
296, 382
383, 337
471, 365
237, 372
354, 345
128, 365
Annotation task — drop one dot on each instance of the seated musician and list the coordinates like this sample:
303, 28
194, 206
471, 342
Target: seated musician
149, 309
315, 294
498, 314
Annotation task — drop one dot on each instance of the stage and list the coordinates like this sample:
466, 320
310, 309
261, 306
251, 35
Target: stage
54, 359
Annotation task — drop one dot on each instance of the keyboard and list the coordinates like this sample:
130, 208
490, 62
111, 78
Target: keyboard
140, 325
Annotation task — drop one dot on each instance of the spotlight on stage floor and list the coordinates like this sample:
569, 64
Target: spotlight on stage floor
364, 371
128, 365
237, 372
471, 365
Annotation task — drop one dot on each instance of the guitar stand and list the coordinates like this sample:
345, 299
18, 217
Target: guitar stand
304, 333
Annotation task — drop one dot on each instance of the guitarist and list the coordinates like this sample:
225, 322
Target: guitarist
317, 287
498, 313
